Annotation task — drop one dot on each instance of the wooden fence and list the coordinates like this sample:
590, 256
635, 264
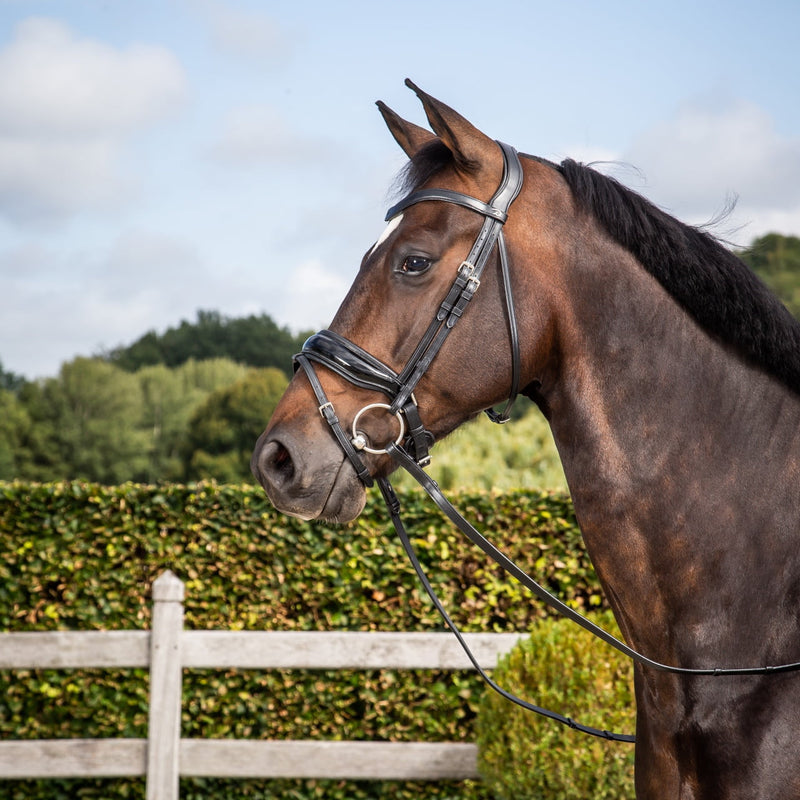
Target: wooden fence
167, 649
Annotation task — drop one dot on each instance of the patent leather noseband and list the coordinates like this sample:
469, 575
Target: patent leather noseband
347, 359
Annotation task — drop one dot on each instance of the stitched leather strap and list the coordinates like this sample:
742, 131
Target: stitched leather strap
435, 493
447, 196
329, 415
393, 504
351, 362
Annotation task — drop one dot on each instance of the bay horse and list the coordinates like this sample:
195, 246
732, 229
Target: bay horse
670, 377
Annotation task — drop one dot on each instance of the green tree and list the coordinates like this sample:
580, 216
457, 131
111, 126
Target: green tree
482, 455
15, 427
169, 397
10, 381
85, 424
255, 340
225, 427
776, 260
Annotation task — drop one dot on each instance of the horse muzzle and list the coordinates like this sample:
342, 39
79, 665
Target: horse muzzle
309, 479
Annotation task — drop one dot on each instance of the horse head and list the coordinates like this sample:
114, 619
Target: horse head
403, 281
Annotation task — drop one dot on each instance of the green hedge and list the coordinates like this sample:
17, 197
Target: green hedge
81, 556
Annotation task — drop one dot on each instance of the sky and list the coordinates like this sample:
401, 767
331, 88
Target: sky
159, 157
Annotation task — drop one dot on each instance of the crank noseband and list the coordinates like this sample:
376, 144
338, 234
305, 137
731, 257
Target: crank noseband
362, 369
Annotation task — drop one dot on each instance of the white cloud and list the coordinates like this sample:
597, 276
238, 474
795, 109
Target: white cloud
311, 297
710, 150
46, 180
708, 153
57, 303
67, 105
94, 299
244, 32
257, 134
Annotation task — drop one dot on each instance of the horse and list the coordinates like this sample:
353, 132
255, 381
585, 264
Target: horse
670, 378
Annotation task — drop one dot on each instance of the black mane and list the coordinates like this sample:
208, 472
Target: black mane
716, 288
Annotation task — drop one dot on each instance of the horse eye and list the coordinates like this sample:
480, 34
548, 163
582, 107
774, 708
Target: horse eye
415, 265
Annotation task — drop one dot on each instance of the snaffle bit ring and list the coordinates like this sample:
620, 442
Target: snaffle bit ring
360, 441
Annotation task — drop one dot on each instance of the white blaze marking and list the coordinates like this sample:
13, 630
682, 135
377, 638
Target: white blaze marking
391, 225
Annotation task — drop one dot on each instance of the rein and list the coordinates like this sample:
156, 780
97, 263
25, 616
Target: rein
410, 450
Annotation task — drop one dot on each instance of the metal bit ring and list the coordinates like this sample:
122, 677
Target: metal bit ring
360, 441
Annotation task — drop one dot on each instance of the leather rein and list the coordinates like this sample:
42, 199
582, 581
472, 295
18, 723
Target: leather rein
410, 449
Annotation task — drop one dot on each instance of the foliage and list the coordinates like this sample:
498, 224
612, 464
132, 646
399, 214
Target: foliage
482, 455
223, 430
255, 340
169, 398
15, 426
87, 419
80, 556
776, 259
9, 381
96, 422
564, 668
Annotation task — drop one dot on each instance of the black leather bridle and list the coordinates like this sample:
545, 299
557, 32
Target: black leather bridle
362, 369
411, 447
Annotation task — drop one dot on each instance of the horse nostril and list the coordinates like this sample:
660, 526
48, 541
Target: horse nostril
273, 464
282, 462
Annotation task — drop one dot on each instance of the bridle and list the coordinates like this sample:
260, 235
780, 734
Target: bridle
362, 369
411, 447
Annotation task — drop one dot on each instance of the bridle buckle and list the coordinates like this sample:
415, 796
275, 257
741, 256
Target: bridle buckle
467, 270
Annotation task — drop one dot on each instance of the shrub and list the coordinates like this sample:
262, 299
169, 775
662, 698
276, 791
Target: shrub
563, 668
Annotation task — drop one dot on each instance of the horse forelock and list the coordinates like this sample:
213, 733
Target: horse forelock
427, 162
715, 287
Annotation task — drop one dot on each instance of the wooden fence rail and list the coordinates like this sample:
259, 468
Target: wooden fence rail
167, 649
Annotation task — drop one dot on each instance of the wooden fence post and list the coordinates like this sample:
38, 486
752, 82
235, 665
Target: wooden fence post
164, 725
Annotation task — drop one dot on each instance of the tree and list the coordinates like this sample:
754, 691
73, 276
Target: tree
10, 381
776, 260
224, 429
169, 397
255, 340
15, 427
86, 424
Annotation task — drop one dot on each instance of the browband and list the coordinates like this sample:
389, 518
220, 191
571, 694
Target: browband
447, 196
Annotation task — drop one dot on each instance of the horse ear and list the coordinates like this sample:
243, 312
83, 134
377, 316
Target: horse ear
469, 146
408, 135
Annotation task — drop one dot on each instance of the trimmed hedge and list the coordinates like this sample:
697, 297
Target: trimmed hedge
81, 556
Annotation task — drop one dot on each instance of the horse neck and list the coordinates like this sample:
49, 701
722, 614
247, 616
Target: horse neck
668, 441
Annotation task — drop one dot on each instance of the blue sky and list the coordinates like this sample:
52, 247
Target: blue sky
160, 157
